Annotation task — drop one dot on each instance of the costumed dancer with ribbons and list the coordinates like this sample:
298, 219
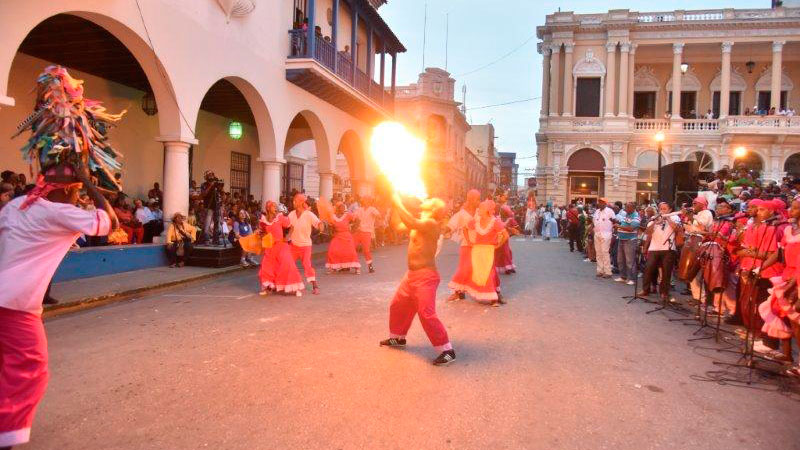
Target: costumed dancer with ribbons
68, 139
342, 255
278, 271
456, 227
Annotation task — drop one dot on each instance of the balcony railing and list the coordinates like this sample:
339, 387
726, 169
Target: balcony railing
651, 124
764, 124
340, 64
699, 125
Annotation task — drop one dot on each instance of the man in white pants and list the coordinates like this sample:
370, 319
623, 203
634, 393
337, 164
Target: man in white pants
603, 227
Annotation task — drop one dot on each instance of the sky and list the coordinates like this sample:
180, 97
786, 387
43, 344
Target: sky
480, 33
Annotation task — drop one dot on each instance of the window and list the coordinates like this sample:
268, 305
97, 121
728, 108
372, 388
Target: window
644, 105
587, 97
300, 8
647, 179
292, 178
734, 105
688, 104
764, 99
240, 174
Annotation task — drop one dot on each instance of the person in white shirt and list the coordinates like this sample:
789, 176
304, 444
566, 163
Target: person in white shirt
152, 226
302, 222
603, 220
36, 231
701, 223
456, 228
367, 215
661, 254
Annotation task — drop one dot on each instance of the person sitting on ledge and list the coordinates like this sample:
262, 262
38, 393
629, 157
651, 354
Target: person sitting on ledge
180, 237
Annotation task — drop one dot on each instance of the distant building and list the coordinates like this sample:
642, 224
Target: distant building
428, 108
480, 140
476, 174
509, 170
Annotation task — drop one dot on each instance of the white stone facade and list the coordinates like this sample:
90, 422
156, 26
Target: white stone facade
747, 56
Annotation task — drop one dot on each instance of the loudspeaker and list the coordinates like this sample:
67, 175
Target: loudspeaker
678, 182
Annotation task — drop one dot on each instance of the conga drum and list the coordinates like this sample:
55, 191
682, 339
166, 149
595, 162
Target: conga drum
715, 269
688, 265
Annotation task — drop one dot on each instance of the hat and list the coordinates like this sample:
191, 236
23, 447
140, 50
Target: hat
702, 200
602, 199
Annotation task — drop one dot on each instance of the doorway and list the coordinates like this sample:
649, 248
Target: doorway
644, 105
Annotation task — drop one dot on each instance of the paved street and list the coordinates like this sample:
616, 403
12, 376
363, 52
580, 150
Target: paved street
567, 364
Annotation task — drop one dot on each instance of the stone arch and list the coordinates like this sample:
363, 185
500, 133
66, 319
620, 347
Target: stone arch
585, 146
689, 82
791, 164
171, 125
645, 80
707, 162
738, 82
753, 157
647, 159
764, 82
306, 125
589, 66
586, 159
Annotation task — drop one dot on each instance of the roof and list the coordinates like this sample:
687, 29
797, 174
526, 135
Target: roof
392, 42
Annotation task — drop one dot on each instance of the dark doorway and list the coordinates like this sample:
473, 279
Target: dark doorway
764, 98
733, 107
644, 105
688, 104
587, 97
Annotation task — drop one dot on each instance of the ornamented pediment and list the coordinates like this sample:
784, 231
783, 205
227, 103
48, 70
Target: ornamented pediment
737, 81
689, 82
764, 83
589, 65
644, 80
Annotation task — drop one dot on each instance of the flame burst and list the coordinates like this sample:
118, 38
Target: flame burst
399, 155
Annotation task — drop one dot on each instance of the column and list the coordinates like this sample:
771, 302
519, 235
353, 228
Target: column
677, 52
326, 185
622, 104
545, 80
777, 64
271, 181
353, 36
383, 71
394, 72
334, 35
370, 59
725, 81
567, 107
176, 178
311, 38
631, 72
555, 50
611, 78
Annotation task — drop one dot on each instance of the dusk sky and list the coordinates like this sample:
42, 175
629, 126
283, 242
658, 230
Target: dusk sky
482, 32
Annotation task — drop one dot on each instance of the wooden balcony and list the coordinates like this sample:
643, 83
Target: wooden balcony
330, 75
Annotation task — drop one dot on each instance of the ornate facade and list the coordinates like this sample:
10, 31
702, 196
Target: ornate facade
612, 80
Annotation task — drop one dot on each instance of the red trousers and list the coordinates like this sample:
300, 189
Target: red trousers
138, 233
23, 373
416, 295
304, 254
364, 239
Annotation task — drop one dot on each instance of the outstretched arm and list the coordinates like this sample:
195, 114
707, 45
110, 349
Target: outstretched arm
99, 201
406, 217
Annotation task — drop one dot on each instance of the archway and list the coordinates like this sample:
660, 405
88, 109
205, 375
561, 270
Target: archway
792, 166
310, 166
351, 174
118, 69
234, 131
705, 163
647, 177
751, 161
586, 168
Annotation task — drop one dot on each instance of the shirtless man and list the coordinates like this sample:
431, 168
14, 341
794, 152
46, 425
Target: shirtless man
417, 292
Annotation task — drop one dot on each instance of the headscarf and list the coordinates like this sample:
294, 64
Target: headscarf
43, 187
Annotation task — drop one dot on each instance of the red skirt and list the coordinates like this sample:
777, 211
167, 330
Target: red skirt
462, 280
503, 258
278, 270
342, 252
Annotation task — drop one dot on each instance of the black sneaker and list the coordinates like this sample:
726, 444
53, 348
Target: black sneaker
371, 269
445, 358
393, 342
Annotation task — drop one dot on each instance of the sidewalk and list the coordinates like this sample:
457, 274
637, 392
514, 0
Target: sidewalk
83, 293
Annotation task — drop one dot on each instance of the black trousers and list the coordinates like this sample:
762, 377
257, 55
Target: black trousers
660, 259
572, 230
172, 252
151, 229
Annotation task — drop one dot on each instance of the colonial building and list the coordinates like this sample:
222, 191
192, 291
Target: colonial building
612, 80
476, 173
428, 107
509, 170
480, 140
229, 86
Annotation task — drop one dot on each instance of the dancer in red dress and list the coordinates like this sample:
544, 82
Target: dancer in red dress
456, 227
302, 221
342, 249
278, 271
485, 234
503, 257
416, 294
367, 215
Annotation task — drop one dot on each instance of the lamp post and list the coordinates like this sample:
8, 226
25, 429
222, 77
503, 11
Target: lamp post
659, 138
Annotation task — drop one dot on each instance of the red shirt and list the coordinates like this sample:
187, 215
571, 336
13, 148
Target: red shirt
763, 238
572, 216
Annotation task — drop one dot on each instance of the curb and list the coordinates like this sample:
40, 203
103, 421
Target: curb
114, 297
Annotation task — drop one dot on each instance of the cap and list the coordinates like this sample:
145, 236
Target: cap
702, 200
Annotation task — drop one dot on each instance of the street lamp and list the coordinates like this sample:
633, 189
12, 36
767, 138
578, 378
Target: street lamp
739, 152
659, 137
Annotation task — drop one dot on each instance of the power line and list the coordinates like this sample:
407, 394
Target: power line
498, 59
504, 104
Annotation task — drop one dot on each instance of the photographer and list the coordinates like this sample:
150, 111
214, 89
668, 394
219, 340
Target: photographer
210, 192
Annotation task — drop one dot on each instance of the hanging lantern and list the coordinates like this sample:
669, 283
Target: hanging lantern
149, 105
684, 67
235, 130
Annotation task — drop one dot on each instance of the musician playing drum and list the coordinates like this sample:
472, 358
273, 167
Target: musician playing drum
722, 240
758, 244
699, 224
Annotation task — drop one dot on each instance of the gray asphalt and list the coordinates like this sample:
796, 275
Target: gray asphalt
567, 364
